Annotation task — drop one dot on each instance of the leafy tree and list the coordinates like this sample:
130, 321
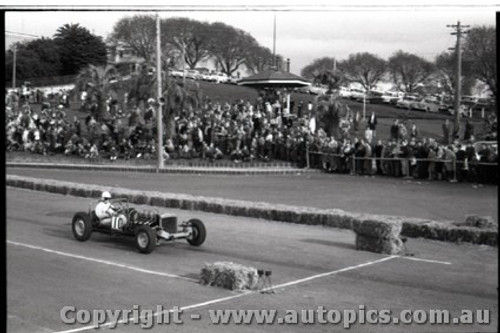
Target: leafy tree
34, 59
330, 108
364, 68
408, 70
79, 48
138, 32
317, 66
96, 81
178, 96
480, 52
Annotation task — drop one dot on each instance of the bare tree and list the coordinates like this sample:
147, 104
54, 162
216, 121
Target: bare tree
408, 70
480, 52
364, 68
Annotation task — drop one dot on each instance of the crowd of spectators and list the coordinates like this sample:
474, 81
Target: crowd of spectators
243, 131
407, 154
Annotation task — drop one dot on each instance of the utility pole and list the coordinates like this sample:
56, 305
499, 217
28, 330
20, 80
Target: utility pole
159, 120
20, 35
14, 66
274, 43
458, 85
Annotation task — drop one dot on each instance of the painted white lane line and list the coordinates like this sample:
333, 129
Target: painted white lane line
219, 300
350, 268
101, 261
426, 260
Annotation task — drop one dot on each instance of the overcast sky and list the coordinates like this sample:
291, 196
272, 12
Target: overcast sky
304, 31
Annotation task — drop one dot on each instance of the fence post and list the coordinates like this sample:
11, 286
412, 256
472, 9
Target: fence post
353, 165
454, 180
407, 176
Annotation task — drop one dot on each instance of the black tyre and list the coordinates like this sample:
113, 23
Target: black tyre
145, 239
81, 226
199, 232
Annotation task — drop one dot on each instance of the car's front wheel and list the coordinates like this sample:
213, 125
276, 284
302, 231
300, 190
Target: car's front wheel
199, 233
145, 239
81, 226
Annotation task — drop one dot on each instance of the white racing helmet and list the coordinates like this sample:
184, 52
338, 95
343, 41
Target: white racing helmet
105, 195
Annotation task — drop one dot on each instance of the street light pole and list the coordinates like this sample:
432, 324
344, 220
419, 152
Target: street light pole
159, 120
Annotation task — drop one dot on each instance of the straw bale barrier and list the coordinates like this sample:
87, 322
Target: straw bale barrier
477, 230
390, 245
229, 275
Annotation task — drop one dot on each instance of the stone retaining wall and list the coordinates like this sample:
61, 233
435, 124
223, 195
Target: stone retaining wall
411, 227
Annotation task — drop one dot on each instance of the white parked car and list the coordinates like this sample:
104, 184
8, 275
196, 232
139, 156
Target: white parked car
357, 94
176, 73
221, 78
345, 92
390, 97
193, 74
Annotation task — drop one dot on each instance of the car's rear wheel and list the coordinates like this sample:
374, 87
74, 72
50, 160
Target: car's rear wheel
199, 232
145, 239
81, 226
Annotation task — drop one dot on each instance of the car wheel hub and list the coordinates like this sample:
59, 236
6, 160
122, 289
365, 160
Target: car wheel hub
80, 227
142, 240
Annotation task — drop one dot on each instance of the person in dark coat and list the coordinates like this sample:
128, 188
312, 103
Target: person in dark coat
469, 130
372, 123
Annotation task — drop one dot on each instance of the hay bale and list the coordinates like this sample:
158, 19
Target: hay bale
254, 212
383, 228
239, 210
139, 199
215, 207
390, 245
172, 202
200, 204
310, 218
157, 200
229, 275
489, 237
481, 222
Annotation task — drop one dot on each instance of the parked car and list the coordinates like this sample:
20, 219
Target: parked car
371, 97
233, 80
221, 78
406, 102
427, 105
345, 92
176, 73
357, 93
193, 74
390, 97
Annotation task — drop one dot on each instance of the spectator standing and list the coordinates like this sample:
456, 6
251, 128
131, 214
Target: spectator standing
372, 124
414, 132
468, 130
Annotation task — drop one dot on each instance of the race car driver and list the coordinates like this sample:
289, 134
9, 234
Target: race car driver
106, 212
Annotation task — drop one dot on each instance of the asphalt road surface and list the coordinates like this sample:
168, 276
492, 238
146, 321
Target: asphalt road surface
437, 200
313, 268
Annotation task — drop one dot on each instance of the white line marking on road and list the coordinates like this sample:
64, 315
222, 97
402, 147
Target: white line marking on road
426, 260
219, 300
101, 261
350, 268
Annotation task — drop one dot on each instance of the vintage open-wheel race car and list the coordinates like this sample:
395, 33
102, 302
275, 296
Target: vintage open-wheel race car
149, 228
